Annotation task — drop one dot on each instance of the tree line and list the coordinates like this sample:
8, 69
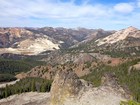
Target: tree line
26, 85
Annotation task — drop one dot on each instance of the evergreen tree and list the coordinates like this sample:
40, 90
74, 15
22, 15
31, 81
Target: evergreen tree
43, 88
6, 91
33, 87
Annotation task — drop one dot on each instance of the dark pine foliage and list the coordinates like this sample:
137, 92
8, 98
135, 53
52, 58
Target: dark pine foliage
7, 77
15, 66
26, 85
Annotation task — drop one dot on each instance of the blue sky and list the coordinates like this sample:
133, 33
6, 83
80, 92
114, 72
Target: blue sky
106, 14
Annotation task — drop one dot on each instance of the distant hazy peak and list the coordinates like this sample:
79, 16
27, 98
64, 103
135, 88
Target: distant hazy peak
119, 35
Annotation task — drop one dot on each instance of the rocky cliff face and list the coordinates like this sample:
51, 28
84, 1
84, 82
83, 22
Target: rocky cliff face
66, 84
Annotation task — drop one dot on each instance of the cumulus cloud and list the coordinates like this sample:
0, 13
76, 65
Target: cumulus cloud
138, 3
124, 8
44, 9
67, 14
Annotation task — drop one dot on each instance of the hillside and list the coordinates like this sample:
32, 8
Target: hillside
33, 41
130, 32
82, 62
24, 42
122, 43
73, 91
16, 66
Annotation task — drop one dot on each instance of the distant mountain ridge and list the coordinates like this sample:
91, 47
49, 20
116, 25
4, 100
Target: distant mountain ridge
125, 41
33, 41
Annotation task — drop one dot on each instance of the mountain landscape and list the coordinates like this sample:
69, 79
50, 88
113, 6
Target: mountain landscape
61, 66
32, 41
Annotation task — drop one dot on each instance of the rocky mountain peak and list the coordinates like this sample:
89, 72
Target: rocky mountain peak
131, 29
119, 36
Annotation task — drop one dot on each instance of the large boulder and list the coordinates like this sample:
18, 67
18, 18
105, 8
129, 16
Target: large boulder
66, 84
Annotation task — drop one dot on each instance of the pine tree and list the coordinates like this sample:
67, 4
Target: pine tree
33, 88
6, 91
43, 88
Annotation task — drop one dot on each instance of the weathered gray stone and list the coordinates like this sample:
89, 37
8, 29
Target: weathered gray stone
66, 84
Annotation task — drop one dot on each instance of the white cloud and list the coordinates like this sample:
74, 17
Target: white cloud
45, 9
67, 14
124, 8
138, 2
